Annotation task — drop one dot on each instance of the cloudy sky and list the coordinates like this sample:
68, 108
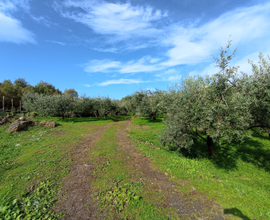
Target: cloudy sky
117, 47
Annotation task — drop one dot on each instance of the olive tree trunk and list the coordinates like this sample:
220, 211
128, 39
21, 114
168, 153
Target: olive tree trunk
211, 146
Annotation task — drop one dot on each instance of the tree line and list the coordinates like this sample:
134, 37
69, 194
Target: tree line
15, 91
218, 109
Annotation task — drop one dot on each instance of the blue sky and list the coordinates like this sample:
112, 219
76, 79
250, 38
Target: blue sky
115, 48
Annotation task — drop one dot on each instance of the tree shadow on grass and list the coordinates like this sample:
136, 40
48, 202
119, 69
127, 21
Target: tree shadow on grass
227, 155
94, 119
236, 212
257, 134
150, 120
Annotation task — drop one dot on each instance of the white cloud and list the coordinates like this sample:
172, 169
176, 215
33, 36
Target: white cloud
133, 66
154, 60
9, 6
120, 26
192, 45
171, 75
42, 20
87, 85
122, 20
11, 30
141, 65
56, 42
101, 66
121, 81
189, 45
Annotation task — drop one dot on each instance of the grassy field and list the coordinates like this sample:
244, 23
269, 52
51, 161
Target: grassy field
34, 162
238, 178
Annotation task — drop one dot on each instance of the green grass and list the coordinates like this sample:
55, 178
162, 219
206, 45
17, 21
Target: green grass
120, 191
238, 177
33, 162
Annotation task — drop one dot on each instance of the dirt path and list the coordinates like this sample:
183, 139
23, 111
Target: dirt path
158, 181
77, 203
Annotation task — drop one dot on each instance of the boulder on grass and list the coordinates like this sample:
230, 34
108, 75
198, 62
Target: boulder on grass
18, 125
48, 124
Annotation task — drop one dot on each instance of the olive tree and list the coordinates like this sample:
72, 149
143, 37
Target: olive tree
84, 105
61, 104
106, 106
130, 104
35, 102
146, 103
150, 103
213, 107
257, 86
48, 104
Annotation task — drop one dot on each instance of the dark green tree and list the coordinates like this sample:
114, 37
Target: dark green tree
71, 92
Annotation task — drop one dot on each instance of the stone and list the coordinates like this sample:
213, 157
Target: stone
22, 119
48, 124
18, 126
4, 121
33, 114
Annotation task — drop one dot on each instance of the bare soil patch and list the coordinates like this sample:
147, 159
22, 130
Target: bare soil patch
77, 202
190, 205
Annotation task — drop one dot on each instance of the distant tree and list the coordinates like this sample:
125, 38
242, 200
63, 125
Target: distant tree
71, 92
35, 102
105, 106
11, 91
46, 89
119, 108
84, 105
147, 102
48, 104
62, 104
20, 82
129, 104
27, 89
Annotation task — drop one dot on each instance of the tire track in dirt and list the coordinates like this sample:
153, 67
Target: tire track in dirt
77, 203
202, 208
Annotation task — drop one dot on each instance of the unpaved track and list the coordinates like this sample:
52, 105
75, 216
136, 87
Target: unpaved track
159, 182
77, 202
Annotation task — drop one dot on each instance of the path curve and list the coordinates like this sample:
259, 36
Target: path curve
172, 198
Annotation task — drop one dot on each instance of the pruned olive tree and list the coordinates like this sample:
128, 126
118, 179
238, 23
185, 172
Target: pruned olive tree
257, 86
130, 104
62, 104
84, 106
106, 106
147, 102
210, 108
48, 104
